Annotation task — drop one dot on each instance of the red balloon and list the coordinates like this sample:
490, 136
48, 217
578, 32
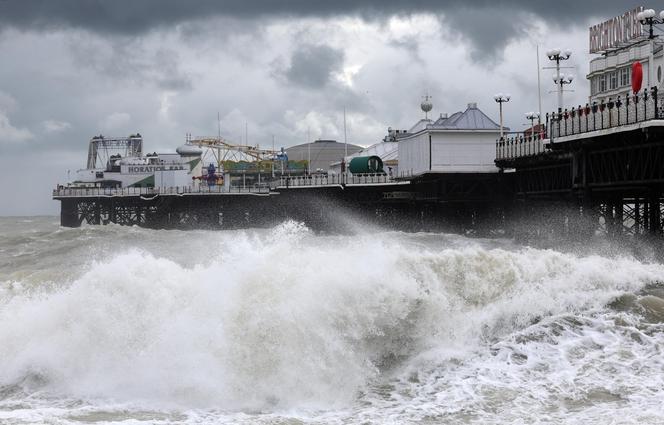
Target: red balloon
637, 76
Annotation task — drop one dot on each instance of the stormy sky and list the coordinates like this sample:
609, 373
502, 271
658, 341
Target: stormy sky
72, 69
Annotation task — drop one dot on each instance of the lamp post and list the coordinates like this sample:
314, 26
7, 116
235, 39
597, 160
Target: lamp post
501, 98
556, 55
649, 17
532, 116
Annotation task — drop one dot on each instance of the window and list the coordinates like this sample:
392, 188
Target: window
625, 74
601, 85
613, 80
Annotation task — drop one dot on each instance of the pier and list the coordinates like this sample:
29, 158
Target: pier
319, 201
590, 169
599, 164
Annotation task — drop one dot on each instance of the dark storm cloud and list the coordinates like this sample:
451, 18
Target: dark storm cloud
313, 66
487, 24
485, 41
130, 61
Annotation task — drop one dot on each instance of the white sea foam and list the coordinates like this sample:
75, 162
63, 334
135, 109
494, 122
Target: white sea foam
383, 328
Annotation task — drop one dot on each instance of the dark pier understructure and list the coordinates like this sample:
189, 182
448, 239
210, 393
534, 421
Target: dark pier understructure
594, 169
322, 203
600, 170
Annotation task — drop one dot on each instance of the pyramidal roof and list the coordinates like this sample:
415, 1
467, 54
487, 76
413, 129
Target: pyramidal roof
470, 119
441, 121
420, 125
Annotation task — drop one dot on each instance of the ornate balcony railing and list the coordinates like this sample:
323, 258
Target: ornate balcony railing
640, 107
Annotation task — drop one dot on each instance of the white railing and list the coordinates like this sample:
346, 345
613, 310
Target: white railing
153, 191
335, 180
518, 146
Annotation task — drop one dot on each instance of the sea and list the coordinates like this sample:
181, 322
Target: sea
286, 325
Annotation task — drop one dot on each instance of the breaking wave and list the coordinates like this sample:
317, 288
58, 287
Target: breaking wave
368, 327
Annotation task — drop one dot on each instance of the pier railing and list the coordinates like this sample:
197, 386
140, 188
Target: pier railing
335, 179
642, 106
517, 145
285, 181
153, 191
621, 111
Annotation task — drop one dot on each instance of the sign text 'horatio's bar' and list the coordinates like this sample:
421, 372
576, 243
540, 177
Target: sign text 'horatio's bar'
615, 31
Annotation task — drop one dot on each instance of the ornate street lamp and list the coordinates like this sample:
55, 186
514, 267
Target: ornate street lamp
532, 116
649, 17
561, 80
556, 55
501, 98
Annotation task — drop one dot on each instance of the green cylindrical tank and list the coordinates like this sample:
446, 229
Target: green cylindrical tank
366, 165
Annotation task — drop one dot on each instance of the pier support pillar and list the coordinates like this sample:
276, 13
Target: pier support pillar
620, 219
69, 213
654, 216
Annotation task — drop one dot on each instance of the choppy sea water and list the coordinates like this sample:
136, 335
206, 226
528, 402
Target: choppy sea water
126, 325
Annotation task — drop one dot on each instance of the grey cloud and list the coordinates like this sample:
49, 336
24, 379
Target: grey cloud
487, 24
127, 59
491, 29
124, 61
410, 45
312, 66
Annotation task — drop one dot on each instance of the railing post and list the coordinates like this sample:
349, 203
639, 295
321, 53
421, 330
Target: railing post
627, 109
531, 145
645, 104
595, 116
636, 107
610, 105
618, 105
540, 144
654, 97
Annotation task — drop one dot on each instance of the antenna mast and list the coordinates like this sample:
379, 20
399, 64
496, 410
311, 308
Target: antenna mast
539, 88
345, 139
